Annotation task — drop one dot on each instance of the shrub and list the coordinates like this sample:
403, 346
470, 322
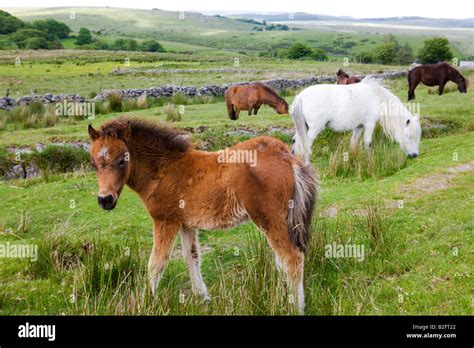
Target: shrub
172, 115
61, 159
142, 102
435, 50
84, 37
115, 100
299, 50
151, 46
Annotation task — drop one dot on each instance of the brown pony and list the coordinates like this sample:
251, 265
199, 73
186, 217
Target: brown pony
251, 97
435, 75
185, 190
342, 78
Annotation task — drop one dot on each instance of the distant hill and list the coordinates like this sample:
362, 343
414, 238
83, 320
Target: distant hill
412, 21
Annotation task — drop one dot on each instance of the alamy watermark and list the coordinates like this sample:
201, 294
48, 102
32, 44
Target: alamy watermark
355, 251
21, 251
237, 156
70, 108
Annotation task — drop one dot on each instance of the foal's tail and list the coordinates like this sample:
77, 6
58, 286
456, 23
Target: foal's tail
300, 144
301, 209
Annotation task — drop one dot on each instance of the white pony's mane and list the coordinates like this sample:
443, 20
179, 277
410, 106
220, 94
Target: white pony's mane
392, 111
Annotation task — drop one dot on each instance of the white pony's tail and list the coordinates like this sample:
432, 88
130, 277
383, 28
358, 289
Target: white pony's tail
301, 144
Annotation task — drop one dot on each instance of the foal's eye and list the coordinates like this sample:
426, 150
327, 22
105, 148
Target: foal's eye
408, 122
122, 162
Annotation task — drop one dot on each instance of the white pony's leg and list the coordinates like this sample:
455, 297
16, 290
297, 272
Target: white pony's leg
368, 132
192, 255
311, 137
356, 133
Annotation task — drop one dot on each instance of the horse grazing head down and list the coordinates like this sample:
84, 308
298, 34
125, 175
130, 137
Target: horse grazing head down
411, 137
110, 157
462, 83
282, 107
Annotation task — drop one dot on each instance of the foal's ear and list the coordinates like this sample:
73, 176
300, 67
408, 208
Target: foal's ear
92, 133
124, 130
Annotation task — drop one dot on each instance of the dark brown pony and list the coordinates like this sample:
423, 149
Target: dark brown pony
342, 78
435, 75
251, 97
185, 190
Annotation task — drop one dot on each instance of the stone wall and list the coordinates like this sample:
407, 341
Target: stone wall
190, 91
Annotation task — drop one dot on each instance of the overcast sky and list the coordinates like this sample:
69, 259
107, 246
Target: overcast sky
354, 8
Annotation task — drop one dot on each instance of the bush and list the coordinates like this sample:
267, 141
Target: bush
151, 46
61, 159
115, 101
299, 50
36, 43
84, 37
172, 115
435, 50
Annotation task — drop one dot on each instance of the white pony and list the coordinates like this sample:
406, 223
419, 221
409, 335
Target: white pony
357, 107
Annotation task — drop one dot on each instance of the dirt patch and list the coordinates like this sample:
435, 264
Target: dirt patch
436, 182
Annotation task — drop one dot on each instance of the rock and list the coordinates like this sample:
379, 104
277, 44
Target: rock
32, 171
15, 172
240, 132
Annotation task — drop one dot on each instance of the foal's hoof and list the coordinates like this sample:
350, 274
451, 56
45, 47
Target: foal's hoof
206, 298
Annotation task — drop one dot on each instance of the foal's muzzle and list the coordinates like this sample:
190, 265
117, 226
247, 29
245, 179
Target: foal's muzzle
107, 202
412, 155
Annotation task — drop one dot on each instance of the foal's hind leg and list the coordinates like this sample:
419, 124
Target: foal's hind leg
288, 259
163, 238
191, 253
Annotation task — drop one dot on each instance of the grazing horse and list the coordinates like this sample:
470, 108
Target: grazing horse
251, 97
435, 75
342, 78
185, 190
356, 107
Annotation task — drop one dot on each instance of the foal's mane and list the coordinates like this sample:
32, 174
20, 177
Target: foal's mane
147, 138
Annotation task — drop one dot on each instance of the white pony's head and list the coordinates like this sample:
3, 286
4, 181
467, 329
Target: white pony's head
410, 137
399, 123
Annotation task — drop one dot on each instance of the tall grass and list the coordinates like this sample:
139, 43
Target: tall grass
384, 158
110, 278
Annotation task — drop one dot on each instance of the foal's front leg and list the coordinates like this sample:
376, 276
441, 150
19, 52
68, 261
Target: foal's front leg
163, 238
192, 256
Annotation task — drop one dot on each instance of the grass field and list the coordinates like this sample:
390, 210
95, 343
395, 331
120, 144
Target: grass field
57, 72
416, 223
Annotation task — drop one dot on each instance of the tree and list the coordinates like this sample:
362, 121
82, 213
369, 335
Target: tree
131, 45
36, 43
319, 54
405, 54
20, 36
53, 27
299, 50
435, 50
386, 52
365, 57
84, 37
9, 24
151, 46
